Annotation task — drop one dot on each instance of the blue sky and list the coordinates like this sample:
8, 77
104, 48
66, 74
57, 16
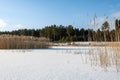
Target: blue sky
17, 14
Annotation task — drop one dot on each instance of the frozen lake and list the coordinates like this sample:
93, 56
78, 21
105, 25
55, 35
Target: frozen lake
58, 63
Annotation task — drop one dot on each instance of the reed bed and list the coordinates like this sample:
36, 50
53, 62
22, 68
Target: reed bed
22, 42
106, 56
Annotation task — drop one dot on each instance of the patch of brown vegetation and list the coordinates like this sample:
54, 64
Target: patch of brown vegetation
22, 42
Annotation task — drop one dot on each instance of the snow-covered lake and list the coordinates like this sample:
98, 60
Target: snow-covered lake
57, 63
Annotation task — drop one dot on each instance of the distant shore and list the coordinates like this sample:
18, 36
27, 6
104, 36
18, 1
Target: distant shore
86, 44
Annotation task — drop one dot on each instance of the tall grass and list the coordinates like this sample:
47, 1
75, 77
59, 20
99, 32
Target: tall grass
106, 56
22, 42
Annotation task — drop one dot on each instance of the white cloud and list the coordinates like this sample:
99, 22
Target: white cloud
5, 26
100, 20
19, 26
97, 23
116, 15
3, 23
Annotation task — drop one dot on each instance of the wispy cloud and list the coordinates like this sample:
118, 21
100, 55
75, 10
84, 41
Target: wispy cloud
7, 26
97, 23
3, 23
101, 20
19, 26
116, 15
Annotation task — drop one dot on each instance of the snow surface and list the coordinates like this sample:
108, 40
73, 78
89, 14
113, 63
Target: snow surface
50, 64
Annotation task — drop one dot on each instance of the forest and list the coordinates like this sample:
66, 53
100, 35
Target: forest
70, 34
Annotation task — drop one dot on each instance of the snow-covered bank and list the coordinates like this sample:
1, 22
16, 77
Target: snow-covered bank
50, 65
85, 44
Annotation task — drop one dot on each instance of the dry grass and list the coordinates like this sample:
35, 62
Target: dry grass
105, 44
22, 42
106, 57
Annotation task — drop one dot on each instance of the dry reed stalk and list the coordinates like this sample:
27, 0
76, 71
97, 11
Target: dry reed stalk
106, 56
22, 42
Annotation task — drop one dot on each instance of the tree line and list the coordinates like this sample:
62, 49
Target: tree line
70, 33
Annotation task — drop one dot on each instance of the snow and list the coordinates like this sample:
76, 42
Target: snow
51, 64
